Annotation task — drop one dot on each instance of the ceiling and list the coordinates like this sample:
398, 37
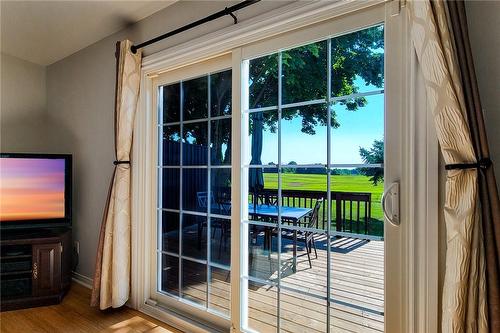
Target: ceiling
44, 32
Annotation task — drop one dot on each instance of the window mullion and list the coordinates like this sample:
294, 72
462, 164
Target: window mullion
209, 194
280, 83
181, 215
328, 178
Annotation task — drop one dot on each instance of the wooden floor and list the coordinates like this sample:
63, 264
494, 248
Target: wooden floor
75, 315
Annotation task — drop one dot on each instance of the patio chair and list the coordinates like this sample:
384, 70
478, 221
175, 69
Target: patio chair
308, 235
202, 198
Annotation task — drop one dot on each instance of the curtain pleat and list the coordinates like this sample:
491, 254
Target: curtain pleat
488, 191
464, 291
112, 273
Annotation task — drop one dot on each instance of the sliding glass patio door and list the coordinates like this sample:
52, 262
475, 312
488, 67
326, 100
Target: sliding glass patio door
312, 223
271, 163
194, 195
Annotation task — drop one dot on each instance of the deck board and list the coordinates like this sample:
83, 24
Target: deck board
357, 288
357, 277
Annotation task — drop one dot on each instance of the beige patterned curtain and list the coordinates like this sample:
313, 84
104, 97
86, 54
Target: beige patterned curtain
112, 273
464, 293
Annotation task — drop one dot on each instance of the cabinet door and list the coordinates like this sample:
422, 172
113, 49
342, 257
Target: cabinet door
46, 269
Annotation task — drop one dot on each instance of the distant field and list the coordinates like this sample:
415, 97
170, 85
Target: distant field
357, 183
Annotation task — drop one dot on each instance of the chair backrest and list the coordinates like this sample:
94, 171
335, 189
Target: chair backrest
313, 221
202, 198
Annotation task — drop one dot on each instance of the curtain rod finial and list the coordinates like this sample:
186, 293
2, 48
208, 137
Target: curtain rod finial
133, 49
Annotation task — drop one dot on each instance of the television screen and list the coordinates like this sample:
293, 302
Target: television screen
32, 188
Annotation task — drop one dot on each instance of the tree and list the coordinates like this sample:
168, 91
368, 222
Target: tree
290, 170
355, 55
358, 55
374, 155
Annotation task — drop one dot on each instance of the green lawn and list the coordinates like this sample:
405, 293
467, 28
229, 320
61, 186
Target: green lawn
356, 183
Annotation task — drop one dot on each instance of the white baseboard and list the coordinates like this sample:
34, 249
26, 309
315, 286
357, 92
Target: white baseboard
82, 280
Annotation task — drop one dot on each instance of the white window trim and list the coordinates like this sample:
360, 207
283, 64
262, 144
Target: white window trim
419, 167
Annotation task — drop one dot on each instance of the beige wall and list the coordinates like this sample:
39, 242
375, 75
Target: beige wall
80, 90
23, 109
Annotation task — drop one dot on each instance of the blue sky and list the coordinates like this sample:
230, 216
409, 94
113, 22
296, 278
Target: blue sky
357, 129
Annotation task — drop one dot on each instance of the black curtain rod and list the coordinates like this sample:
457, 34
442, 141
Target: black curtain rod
224, 12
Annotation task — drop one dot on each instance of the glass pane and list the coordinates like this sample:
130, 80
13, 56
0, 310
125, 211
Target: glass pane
194, 281
356, 199
304, 261
169, 274
263, 82
262, 307
304, 135
220, 241
304, 73
171, 145
263, 140
302, 313
220, 142
302, 190
220, 290
358, 130
170, 232
220, 184
358, 62
195, 151
262, 194
262, 253
170, 188
171, 103
194, 190
359, 263
195, 94
220, 93
194, 236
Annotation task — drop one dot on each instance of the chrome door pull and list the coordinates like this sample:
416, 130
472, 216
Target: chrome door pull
393, 192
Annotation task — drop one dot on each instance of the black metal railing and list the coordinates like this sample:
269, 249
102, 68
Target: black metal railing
350, 211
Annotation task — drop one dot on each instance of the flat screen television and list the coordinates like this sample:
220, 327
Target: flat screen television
35, 190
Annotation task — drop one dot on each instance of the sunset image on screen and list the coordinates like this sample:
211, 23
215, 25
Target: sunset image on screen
31, 189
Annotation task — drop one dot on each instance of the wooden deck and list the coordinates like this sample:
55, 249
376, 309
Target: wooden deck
357, 289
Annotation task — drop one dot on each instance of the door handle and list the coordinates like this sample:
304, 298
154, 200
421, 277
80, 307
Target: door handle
391, 192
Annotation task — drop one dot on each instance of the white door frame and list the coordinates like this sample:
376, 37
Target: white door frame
417, 235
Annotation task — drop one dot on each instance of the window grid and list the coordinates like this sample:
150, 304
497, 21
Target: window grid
181, 211
329, 101
278, 295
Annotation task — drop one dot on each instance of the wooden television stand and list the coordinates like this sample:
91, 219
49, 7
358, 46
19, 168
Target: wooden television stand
35, 267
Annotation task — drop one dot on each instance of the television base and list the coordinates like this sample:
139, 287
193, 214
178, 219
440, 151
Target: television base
35, 267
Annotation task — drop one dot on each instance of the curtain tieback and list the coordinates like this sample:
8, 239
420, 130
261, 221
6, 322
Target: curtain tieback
121, 162
483, 163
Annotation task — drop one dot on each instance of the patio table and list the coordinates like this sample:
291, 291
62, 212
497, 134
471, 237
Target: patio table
293, 214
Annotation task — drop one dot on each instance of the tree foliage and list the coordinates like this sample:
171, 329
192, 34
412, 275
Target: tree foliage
374, 155
355, 57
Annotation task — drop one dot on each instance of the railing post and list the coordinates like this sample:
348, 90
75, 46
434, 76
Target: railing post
338, 212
